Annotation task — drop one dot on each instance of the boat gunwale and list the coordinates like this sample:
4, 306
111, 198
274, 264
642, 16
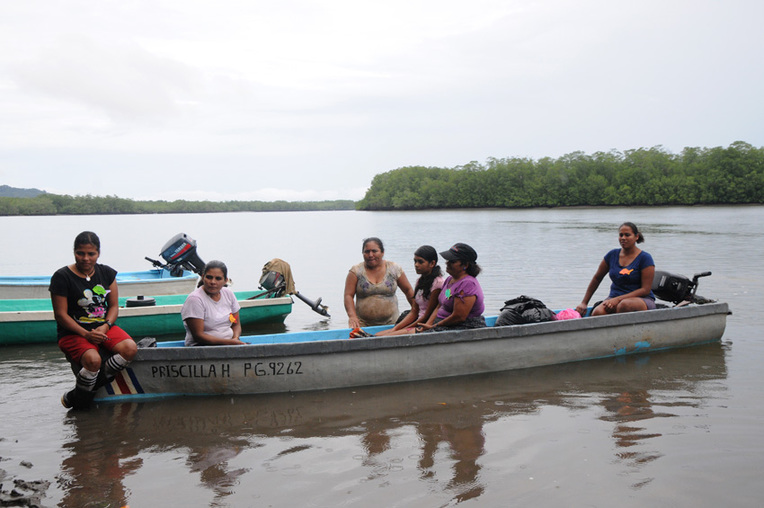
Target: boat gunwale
130, 277
250, 302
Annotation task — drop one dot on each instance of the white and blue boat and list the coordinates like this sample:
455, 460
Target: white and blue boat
157, 281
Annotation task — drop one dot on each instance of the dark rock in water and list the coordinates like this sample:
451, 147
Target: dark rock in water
24, 493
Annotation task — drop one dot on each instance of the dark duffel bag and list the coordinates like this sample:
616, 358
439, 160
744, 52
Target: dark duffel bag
522, 310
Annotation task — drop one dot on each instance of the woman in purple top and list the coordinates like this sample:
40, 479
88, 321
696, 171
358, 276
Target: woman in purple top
461, 298
631, 271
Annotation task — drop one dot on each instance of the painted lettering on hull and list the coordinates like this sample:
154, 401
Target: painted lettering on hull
223, 370
191, 371
259, 369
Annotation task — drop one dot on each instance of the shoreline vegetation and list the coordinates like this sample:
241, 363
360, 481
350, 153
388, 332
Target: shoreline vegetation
55, 204
641, 177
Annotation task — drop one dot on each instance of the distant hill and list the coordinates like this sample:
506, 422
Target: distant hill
14, 192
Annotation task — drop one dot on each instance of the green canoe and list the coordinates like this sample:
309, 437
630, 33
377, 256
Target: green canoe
30, 321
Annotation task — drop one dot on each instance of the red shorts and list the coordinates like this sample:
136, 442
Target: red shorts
75, 346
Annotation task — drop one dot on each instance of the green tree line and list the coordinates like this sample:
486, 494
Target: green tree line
56, 204
641, 177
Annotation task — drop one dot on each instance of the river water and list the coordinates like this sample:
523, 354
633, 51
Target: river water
681, 428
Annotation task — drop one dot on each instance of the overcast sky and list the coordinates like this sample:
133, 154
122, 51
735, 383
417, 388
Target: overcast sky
308, 100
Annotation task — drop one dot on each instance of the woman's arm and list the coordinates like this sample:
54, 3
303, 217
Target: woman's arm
112, 302
196, 327
602, 270
408, 320
462, 307
430, 323
236, 326
408, 290
350, 282
432, 305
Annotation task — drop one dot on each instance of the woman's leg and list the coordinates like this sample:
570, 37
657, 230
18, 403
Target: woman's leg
631, 305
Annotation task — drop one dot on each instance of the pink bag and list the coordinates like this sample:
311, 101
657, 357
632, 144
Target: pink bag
567, 314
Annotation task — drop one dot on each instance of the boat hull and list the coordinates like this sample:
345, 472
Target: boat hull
306, 361
33, 321
131, 284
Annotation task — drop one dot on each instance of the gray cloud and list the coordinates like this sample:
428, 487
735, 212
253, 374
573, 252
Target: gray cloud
314, 99
122, 82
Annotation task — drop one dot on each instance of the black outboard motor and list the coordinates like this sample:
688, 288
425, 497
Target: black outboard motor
180, 254
273, 282
677, 288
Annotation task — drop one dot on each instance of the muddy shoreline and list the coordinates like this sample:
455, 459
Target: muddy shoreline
19, 492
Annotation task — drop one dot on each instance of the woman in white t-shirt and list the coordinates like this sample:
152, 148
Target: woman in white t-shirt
211, 312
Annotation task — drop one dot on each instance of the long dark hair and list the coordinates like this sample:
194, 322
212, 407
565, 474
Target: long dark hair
428, 253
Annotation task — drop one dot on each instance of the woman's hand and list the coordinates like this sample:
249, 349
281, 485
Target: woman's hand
611, 305
581, 308
430, 323
196, 327
98, 335
236, 340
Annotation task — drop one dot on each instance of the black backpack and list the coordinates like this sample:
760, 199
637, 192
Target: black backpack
522, 310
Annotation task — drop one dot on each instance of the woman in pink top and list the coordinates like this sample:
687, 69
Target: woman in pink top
426, 291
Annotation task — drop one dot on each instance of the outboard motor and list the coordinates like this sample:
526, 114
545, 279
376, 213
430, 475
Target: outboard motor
677, 288
273, 282
277, 283
180, 254
670, 287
